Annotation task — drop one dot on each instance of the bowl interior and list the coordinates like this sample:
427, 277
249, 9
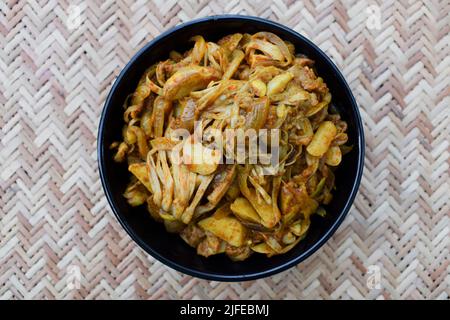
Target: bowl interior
170, 248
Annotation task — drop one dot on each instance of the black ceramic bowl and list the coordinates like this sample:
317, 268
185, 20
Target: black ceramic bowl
170, 249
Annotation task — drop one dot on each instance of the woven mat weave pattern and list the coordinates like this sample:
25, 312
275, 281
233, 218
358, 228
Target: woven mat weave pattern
58, 62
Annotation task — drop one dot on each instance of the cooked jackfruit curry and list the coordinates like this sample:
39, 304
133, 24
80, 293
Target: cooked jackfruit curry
243, 81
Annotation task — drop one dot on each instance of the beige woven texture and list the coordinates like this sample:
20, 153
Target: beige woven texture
58, 62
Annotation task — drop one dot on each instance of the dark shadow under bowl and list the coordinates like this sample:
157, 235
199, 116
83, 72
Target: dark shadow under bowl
170, 249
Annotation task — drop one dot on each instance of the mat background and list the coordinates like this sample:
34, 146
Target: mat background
54, 215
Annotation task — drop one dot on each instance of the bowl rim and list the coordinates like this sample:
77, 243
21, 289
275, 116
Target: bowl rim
248, 276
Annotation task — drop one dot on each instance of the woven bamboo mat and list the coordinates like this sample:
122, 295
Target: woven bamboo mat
58, 62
